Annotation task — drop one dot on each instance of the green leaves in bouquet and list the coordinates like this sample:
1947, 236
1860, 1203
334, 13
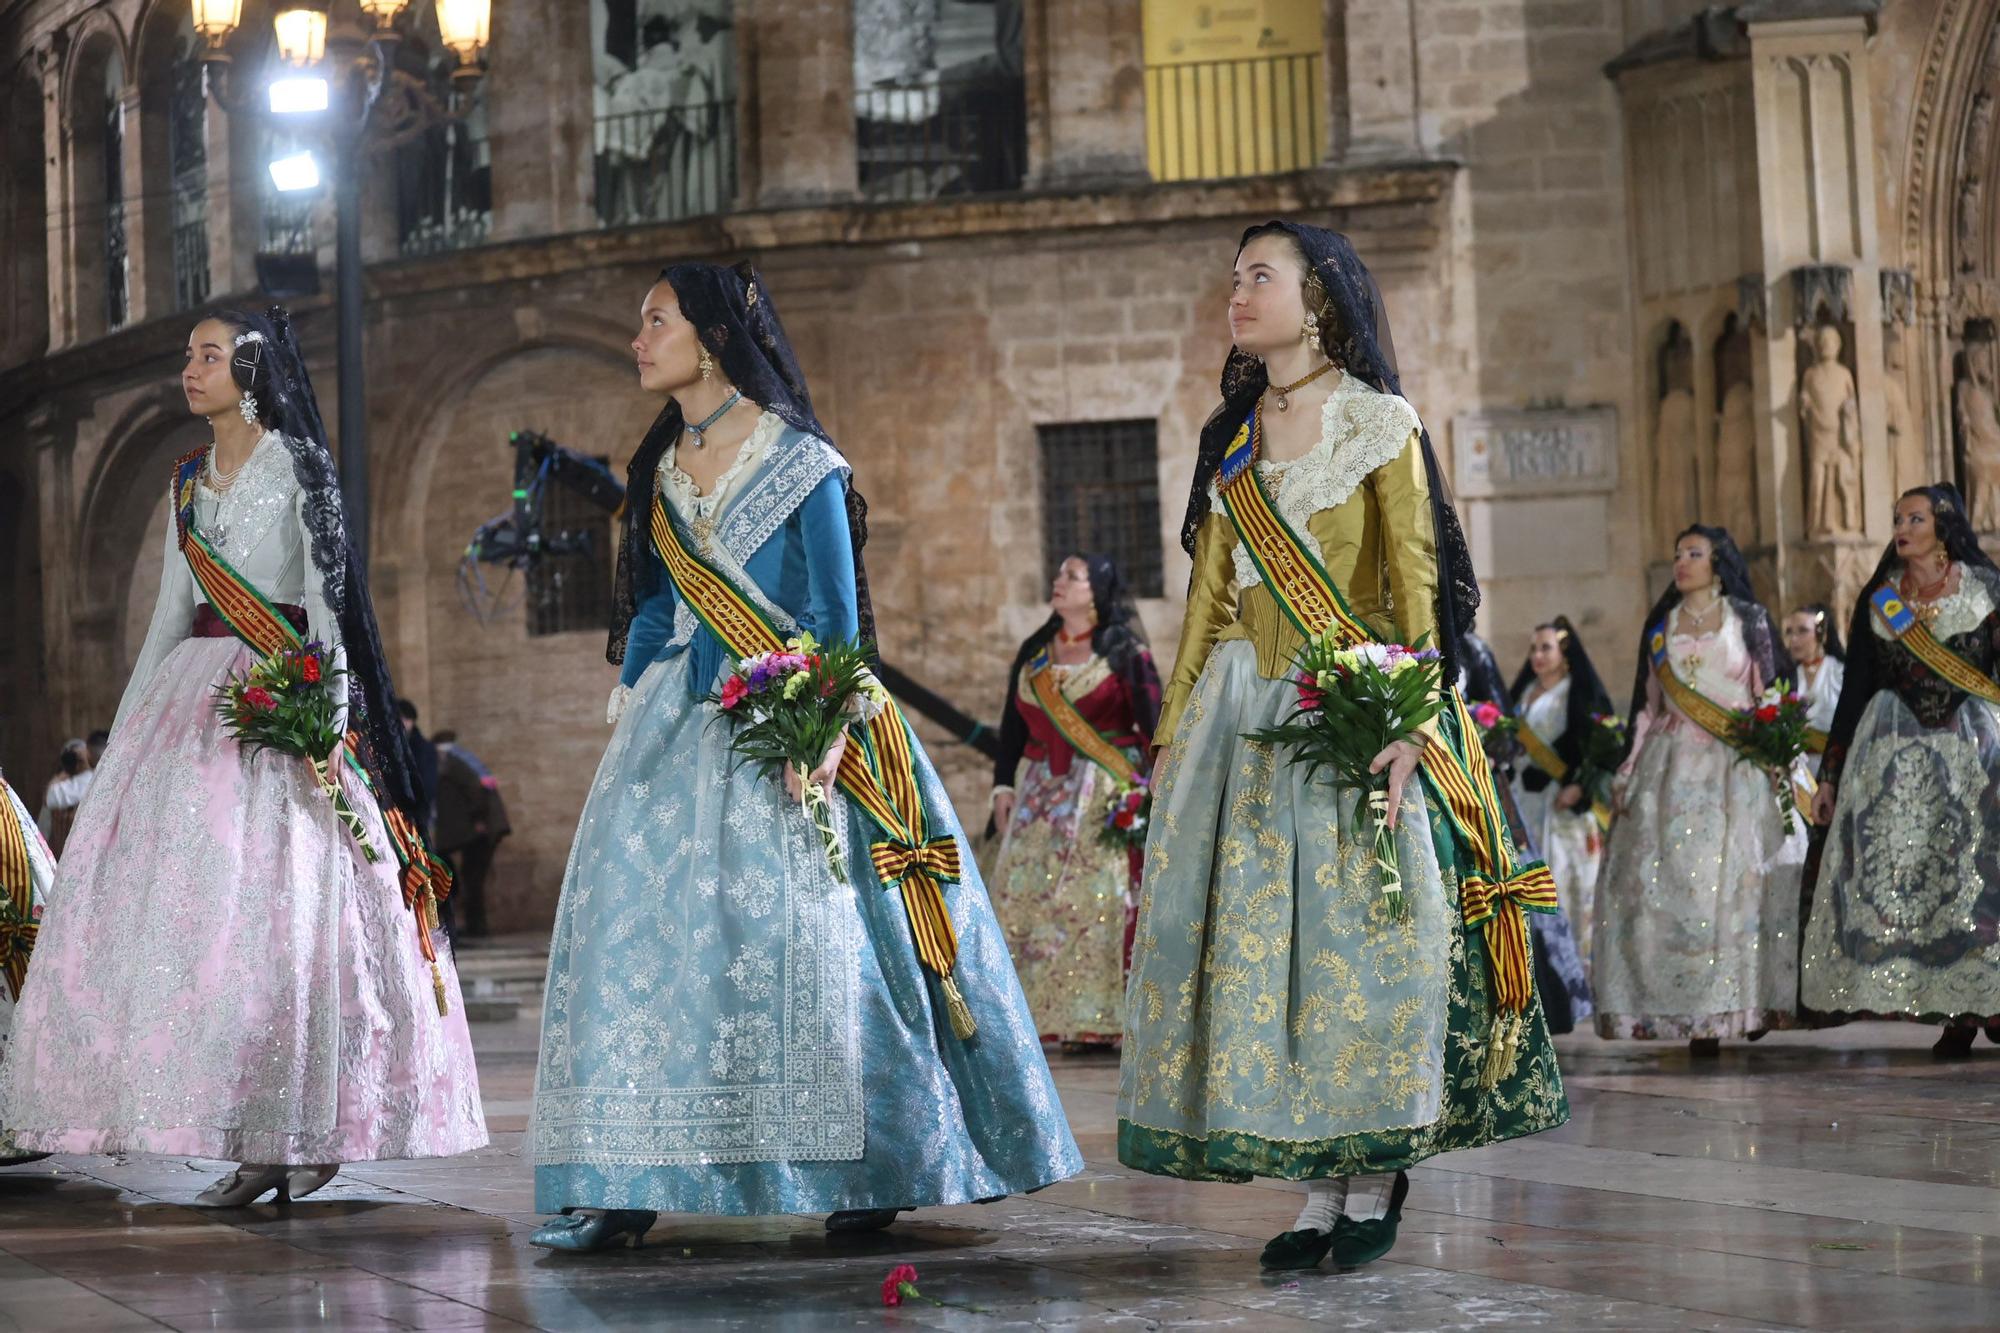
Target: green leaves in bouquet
284, 703
788, 715
1352, 706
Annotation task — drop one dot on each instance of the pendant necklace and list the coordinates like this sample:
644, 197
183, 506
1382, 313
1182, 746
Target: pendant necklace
1285, 391
700, 429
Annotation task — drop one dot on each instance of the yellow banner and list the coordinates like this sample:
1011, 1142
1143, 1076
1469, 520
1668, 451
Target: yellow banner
1233, 89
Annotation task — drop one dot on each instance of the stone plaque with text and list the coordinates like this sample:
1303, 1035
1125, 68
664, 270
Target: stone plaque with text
1535, 451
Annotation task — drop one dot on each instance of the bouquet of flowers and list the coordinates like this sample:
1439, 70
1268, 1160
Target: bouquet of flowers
790, 706
1772, 736
1127, 815
1603, 751
1354, 702
285, 703
1497, 731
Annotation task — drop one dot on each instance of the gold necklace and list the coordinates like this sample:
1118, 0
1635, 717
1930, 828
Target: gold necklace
1285, 391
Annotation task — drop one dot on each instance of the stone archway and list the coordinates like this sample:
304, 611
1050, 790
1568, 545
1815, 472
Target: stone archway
532, 708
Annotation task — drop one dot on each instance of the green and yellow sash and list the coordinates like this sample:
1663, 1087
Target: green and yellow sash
1705, 712
1502, 887
878, 773
18, 926
1897, 617
1553, 764
250, 616
1083, 738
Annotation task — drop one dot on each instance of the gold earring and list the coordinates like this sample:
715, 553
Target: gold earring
1310, 333
707, 364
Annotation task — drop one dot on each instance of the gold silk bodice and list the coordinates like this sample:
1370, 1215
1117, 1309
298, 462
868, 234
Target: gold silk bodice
1378, 545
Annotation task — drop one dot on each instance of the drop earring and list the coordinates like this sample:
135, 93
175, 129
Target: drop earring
707, 364
247, 405
1310, 332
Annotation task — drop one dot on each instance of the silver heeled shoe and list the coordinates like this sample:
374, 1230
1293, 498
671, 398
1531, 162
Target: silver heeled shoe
245, 1185
304, 1180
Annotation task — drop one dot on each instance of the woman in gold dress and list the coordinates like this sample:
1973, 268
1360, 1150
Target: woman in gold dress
1281, 1021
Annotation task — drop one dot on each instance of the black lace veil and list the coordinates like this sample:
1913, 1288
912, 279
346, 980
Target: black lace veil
733, 315
268, 365
1587, 697
1354, 333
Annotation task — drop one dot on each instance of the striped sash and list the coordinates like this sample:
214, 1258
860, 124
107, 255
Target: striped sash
1083, 738
877, 771
252, 618
1503, 886
18, 925
1897, 617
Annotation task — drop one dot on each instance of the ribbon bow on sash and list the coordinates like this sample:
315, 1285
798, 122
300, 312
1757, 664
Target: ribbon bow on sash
1500, 908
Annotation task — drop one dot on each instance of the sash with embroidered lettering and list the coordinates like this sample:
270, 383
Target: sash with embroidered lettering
1083, 738
18, 922
1902, 621
424, 877
877, 771
1501, 885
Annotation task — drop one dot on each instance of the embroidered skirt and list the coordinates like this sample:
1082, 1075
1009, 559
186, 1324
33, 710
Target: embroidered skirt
1279, 1022
221, 973
1905, 915
729, 1029
1065, 898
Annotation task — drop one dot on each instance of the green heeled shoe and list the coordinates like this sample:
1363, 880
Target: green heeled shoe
1358, 1243
582, 1233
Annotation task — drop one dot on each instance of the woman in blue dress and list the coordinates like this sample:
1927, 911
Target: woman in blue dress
728, 1028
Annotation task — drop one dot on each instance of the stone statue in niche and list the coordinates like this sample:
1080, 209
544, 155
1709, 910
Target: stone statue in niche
1673, 438
1830, 422
1979, 432
1899, 420
1736, 436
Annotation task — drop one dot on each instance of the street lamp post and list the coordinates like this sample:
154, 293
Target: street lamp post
366, 100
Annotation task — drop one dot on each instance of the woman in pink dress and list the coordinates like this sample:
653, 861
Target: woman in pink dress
220, 971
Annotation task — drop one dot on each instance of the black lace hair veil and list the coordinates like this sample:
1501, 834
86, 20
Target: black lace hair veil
269, 366
733, 315
1734, 572
1587, 695
1354, 334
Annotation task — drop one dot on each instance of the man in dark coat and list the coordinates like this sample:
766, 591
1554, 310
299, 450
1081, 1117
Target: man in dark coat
425, 752
471, 821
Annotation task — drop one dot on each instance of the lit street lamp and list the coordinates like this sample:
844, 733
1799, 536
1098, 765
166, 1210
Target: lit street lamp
338, 73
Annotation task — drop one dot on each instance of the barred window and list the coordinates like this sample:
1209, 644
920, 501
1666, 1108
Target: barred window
1101, 493
569, 579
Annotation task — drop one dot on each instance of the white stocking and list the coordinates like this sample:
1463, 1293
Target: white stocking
1324, 1200
1368, 1196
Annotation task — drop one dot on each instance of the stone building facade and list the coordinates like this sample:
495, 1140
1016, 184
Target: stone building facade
1502, 164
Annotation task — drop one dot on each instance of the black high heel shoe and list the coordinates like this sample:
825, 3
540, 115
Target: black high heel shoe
1358, 1243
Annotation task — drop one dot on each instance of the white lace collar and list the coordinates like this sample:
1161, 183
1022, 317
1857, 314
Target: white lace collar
1360, 429
691, 501
1958, 613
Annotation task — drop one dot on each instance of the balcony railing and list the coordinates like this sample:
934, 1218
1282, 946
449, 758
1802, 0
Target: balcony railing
288, 225
932, 140
1216, 119
444, 191
667, 163
190, 241
117, 306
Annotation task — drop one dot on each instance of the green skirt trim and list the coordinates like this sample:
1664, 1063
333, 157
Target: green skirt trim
1527, 1101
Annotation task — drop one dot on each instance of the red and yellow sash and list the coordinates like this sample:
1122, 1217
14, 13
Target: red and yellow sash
1083, 738
1910, 630
250, 616
18, 925
1551, 763
878, 773
1502, 886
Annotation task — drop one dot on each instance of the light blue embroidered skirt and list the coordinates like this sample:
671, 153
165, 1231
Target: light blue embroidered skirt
729, 1029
